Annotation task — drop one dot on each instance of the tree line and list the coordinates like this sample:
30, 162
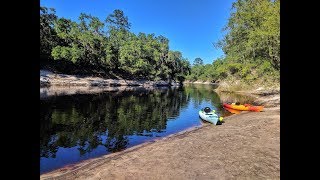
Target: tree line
251, 45
107, 48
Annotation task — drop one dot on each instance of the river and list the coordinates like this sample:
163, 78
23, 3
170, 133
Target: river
76, 127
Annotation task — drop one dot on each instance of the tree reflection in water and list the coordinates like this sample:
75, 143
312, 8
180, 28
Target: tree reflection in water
81, 126
83, 120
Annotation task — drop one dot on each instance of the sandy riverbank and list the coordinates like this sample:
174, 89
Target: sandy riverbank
246, 146
48, 79
199, 82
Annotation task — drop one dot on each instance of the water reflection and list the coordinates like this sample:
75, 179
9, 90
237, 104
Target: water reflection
205, 93
81, 126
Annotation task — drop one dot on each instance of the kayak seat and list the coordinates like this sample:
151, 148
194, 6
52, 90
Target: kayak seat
207, 109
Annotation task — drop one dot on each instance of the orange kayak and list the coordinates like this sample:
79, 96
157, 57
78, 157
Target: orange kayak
232, 110
246, 107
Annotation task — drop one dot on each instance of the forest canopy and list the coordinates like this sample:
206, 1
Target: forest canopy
251, 45
108, 48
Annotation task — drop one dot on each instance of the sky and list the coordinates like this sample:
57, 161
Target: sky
192, 26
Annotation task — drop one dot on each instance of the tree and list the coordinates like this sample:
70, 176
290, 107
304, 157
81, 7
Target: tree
48, 38
253, 32
84, 42
251, 44
118, 20
118, 33
197, 61
91, 47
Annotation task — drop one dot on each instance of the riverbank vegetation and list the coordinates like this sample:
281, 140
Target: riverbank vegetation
92, 47
89, 46
251, 46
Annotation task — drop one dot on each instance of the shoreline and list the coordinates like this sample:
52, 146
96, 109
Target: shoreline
260, 135
200, 82
48, 79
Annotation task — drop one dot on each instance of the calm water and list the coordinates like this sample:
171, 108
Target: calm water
78, 127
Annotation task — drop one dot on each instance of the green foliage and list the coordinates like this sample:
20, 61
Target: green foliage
68, 53
48, 38
83, 41
198, 61
118, 20
251, 45
254, 31
110, 47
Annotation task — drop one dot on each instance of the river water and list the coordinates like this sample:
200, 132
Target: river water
77, 127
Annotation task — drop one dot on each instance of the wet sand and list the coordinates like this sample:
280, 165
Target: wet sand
246, 146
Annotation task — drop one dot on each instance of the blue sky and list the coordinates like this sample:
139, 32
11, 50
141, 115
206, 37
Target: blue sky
190, 25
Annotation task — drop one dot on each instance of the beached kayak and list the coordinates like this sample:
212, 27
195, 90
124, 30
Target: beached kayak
233, 111
246, 107
209, 116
